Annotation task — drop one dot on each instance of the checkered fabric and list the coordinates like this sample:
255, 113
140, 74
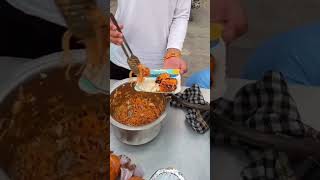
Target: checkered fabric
195, 4
266, 106
199, 120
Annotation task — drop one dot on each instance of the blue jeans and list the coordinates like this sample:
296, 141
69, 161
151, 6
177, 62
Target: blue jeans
202, 78
295, 54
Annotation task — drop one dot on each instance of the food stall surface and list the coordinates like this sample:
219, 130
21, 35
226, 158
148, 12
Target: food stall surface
177, 146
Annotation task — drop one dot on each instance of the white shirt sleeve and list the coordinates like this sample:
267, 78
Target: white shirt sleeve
179, 26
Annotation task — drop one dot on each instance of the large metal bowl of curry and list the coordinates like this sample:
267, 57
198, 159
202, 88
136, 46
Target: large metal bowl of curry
26, 75
135, 135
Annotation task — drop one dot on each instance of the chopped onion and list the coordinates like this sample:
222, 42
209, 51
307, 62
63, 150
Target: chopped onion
138, 171
124, 160
126, 174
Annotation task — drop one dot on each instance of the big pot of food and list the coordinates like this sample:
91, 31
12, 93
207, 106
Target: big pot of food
49, 128
136, 117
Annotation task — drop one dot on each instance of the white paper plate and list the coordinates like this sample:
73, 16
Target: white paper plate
153, 79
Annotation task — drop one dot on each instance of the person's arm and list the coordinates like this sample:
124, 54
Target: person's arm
178, 31
179, 26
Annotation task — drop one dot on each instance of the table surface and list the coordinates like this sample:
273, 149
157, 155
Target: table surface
176, 146
226, 160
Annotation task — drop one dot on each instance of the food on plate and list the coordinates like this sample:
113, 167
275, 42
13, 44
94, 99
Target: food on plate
134, 108
143, 72
166, 83
57, 131
148, 85
159, 83
162, 76
155, 80
126, 170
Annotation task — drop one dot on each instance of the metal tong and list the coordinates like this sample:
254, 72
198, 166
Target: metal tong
133, 61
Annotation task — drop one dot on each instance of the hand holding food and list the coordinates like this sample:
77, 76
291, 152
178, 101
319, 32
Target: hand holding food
173, 60
176, 63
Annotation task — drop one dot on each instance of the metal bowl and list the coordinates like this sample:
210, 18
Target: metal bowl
25, 71
141, 134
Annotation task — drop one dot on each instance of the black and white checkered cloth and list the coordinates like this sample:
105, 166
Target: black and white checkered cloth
266, 106
195, 4
199, 120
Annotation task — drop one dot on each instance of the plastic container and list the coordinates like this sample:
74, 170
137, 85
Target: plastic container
218, 51
149, 84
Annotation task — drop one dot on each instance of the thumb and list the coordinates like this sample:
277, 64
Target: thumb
183, 67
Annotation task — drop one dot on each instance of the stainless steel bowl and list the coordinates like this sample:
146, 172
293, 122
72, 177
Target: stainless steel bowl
26, 71
135, 135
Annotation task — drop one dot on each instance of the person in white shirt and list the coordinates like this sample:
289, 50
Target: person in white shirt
33, 28
155, 30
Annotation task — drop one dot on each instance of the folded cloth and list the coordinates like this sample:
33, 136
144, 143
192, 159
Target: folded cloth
266, 106
199, 120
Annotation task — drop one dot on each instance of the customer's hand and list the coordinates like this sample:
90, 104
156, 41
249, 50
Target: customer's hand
176, 63
116, 37
230, 14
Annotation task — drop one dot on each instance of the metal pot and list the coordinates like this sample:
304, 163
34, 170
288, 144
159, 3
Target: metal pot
25, 71
136, 135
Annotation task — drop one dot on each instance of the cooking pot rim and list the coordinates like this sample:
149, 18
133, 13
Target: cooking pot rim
134, 128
